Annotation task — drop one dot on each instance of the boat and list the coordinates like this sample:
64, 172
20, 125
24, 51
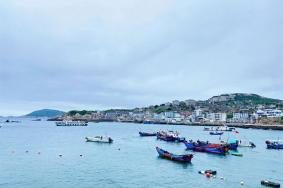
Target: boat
36, 119
179, 158
207, 147
147, 134
269, 183
274, 144
220, 128
101, 139
246, 143
216, 133
71, 123
232, 144
169, 136
237, 154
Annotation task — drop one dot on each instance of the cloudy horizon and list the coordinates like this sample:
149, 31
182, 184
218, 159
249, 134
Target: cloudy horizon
124, 54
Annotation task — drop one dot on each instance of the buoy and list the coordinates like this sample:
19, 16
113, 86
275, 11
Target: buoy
208, 175
81, 155
221, 178
60, 155
242, 183
119, 149
26, 151
38, 153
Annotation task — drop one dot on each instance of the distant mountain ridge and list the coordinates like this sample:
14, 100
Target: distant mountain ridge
45, 113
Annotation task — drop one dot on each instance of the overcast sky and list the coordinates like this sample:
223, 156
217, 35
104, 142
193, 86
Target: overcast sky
98, 54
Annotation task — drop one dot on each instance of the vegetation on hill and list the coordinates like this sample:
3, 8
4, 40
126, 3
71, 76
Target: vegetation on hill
45, 113
81, 112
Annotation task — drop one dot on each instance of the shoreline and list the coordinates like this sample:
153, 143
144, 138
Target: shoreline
236, 125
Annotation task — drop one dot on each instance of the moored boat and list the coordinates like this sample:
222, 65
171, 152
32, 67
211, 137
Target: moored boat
71, 123
216, 133
232, 143
269, 183
147, 134
246, 143
101, 139
274, 144
207, 147
169, 136
179, 158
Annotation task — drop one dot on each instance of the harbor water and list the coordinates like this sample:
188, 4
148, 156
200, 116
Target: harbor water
38, 154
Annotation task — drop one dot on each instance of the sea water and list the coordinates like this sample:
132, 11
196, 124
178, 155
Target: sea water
38, 154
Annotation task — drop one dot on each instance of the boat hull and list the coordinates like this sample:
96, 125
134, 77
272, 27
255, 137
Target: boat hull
170, 156
147, 134
99, 139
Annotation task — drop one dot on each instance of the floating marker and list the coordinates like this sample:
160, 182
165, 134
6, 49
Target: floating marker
242, 183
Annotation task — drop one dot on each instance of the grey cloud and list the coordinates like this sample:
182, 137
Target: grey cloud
102, 54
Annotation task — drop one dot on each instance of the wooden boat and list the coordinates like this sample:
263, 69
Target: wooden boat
237, 154
101, 139
232, 144
269, 183
207, 147
147, 134
216, 133
179, 158
169, 136
274, 144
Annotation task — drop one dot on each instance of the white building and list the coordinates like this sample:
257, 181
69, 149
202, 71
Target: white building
217, 117
270, 113
197, 115
240, 117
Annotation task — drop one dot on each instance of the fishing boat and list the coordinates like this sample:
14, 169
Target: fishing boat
232, 144
269, 183
207, 147
101, 139
216, 133
237, 154
71, 123
220, 128
147, 134
179, 158
246, 143
169, 136
274, 144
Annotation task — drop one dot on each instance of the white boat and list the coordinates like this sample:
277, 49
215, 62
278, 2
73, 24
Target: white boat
246, 143
71, 123
102, 139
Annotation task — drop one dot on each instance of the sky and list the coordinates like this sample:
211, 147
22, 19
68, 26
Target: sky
100, 54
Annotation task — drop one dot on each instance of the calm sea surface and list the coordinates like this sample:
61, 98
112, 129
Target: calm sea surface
131, 161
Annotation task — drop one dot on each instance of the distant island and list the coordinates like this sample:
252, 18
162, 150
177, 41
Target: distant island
45, 113
236, 108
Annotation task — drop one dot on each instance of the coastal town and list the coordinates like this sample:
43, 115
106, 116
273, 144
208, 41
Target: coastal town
216, 110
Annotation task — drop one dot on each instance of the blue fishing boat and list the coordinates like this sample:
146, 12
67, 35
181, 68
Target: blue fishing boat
232, 144
179, 158
274, 144
207, 147
147, 134
216, 133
